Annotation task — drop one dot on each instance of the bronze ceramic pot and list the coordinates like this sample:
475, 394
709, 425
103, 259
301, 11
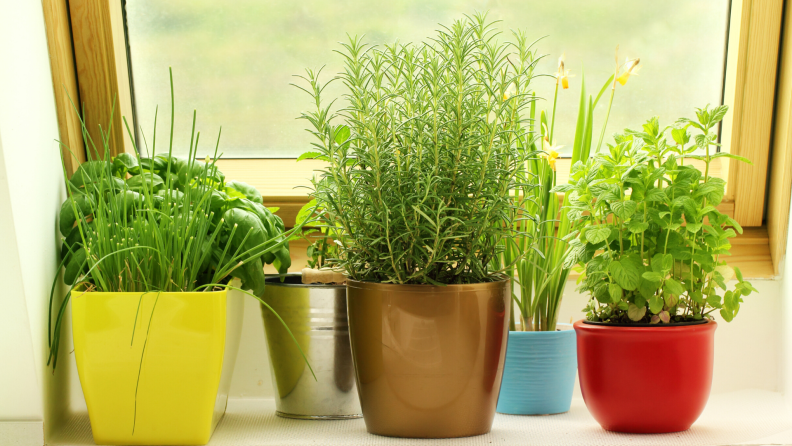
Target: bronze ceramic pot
428, 359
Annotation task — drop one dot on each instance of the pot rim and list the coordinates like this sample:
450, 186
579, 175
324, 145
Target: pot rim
646, 324
433, 289
274, 280
580, 325
78, 293
557, 333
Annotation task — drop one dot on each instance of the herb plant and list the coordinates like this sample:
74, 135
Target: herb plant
542, 273
322, 248
648, 230
423, 155
162, 224
131, 195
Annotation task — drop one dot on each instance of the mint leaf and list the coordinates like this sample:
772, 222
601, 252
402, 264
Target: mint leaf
597, 234
624, 209
625, 274
655, 304
655, 195
647, 288
653, 276
636, 313
671, 286
637, 227
615, 292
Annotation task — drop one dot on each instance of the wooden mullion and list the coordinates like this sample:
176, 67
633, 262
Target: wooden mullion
102, 75
781, 166
758, 40
64, 81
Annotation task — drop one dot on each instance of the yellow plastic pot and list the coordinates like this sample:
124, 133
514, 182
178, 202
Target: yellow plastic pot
155, 368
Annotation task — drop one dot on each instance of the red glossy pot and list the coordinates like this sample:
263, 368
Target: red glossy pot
646, 379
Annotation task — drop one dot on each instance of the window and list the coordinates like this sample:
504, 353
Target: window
233, 61
681, 44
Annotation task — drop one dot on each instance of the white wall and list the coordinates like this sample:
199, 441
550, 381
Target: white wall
785, 350
30, 194
20, 391
746, 350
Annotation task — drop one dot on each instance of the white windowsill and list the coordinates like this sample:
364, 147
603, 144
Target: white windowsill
742, 417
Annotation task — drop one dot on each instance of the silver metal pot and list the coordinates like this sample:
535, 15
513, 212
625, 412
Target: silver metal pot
317, 316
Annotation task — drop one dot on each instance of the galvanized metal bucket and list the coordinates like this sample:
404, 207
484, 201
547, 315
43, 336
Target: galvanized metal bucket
317, 316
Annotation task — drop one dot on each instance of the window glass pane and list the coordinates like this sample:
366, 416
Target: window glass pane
233, 61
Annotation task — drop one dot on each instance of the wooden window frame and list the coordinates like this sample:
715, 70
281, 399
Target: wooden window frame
88, 55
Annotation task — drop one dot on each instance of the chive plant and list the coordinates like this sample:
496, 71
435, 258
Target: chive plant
162, 223
424, 154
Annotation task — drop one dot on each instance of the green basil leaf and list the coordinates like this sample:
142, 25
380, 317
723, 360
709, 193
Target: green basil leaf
250, 192
85, 206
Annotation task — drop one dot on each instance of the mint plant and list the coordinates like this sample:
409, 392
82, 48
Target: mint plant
646, 228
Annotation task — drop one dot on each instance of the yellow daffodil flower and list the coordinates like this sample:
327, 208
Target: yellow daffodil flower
562, 75
551, 156
550, 152
630, 69
510, 92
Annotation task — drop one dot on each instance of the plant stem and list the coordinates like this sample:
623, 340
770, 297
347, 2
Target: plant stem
607, 113
552, 120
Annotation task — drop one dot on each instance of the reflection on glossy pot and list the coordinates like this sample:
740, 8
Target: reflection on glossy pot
166, 385
619, 364
428, 359
317, 316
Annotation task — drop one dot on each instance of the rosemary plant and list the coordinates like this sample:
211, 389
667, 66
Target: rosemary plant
424, 155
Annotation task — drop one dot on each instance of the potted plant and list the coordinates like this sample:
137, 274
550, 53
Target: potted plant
541, 365
313, 305
652, 244
151, 246
419, 185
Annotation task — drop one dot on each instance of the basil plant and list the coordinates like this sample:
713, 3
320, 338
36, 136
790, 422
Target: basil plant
648, 234
200, 229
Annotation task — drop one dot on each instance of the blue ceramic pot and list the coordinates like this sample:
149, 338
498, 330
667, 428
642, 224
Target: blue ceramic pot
539, 375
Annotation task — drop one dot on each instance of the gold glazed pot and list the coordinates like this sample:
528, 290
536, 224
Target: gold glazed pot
428, 359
